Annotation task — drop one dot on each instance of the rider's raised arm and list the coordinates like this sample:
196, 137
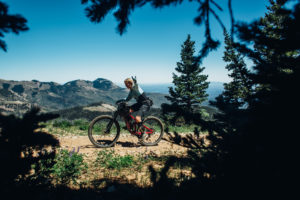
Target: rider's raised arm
134, 80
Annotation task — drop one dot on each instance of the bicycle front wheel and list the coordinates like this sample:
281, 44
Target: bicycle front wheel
153, 131
104, 131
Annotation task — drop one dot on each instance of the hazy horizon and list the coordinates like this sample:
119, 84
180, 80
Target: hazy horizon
120, 84
214, 89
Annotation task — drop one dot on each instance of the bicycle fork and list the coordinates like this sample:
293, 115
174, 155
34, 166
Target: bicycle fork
110, 123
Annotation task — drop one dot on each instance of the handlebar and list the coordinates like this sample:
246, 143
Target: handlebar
123, 108
120, 101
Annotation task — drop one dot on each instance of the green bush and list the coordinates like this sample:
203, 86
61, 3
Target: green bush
110, 160
81, 124
83, 127
62, 123
66, 167
43, 168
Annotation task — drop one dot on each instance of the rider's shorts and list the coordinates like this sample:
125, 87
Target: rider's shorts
140, 109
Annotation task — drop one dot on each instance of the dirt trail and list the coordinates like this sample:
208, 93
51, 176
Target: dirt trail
125, 145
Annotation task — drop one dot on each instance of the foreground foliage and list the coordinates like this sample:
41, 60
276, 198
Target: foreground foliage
64, 168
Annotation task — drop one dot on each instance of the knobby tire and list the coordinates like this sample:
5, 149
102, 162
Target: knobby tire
159, 129
93, 130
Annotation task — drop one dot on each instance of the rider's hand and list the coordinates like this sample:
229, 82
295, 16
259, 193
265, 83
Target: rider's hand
134, 79
119, 101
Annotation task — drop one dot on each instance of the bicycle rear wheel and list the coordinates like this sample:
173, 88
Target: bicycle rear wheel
104, 131
153, 131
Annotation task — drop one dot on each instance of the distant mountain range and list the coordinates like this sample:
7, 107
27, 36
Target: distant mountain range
19, 96
214, 89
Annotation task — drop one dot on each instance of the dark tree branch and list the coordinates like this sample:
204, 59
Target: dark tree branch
96, 10
232, 20
10, 23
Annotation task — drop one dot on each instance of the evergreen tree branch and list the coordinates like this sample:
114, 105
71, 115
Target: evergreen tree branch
10, 23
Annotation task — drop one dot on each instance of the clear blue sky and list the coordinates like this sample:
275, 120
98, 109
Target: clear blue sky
63, 45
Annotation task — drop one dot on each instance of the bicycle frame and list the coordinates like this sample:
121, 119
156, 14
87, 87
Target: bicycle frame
134, 130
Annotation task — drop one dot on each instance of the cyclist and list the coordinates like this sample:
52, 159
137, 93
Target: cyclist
143, 103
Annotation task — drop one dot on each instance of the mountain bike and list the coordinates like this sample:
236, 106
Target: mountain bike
104, 130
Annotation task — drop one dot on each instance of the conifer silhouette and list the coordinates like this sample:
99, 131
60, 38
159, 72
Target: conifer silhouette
10, 23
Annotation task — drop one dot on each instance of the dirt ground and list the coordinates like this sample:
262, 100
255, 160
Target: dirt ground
126, 145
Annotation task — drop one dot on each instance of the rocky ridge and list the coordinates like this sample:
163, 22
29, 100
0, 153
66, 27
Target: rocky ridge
20, 96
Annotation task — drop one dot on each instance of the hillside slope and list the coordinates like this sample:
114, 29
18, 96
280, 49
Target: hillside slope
19, 96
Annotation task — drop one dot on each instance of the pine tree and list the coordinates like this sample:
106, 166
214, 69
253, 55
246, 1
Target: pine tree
274, 61
276, 72
246, 146
236, 92
190, 85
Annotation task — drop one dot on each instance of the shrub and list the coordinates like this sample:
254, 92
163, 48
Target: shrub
110, 160
66, 167
82, 124
62, 123
79, 122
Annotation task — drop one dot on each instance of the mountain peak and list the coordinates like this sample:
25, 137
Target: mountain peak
78, 83
101, 79
104, 84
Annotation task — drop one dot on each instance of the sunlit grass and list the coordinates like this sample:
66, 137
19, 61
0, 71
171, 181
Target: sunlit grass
79, 127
